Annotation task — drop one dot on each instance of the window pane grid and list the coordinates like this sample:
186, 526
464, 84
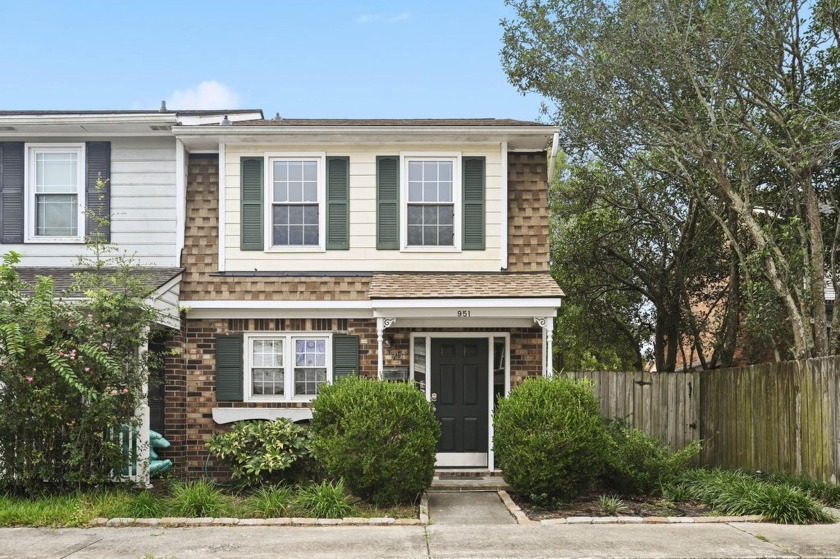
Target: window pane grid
56, 193
431, 224
430, 207
267, 372
295, 208
310, 366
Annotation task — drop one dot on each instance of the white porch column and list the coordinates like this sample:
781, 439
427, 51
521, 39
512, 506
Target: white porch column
381, 324
547, 325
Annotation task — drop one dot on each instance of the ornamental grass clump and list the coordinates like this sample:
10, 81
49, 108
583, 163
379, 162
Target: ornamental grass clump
379, 437
739, 493
549, 439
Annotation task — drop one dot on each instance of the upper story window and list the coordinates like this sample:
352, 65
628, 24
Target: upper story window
431, 206
55, 192
431, 210
296, 202
286, 366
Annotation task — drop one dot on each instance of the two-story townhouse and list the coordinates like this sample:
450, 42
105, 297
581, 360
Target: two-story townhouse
50, 164
398, 249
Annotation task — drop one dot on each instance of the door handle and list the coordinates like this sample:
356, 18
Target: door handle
434, 397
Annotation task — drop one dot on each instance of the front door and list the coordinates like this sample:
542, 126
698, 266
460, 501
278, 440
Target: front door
459, 392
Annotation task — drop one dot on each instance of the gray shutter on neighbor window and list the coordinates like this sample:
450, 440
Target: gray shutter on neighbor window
345, 356
11, 192
98, 200
473, 200
251, 228
388, 202
338, 203
229, 373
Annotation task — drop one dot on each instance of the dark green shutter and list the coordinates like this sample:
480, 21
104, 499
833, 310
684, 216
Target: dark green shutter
345, 356
11, 192
229, 374
98, 200
251, 228
474, 179
388, 202
338, 203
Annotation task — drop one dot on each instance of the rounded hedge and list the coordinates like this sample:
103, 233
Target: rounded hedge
549, 439
380, 437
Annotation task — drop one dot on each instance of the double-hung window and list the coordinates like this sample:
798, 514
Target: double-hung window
286, 366
296, 202
431, 208
55, 192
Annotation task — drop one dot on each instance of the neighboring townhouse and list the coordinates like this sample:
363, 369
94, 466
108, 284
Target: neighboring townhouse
50, 162
399, 249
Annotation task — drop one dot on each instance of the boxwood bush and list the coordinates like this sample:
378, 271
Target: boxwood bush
380, 437
549, 439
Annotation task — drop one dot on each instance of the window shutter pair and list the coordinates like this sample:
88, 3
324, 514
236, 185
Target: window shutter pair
337, 203
97, 201
230, 371
388, 203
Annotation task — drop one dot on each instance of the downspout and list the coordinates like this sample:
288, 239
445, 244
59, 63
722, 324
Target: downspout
552, 159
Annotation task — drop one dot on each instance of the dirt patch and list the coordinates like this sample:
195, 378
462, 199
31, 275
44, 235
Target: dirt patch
589, 505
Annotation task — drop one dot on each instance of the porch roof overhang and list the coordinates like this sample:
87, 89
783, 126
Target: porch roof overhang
161, 283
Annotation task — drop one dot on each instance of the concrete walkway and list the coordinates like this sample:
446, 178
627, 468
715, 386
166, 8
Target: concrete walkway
468, 508
435, 541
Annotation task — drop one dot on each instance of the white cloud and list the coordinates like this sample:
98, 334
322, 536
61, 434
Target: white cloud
206, 95
383, 18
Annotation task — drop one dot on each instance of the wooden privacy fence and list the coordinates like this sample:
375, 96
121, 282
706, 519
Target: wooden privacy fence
771, 417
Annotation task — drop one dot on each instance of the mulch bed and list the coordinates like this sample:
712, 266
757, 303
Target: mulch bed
636, 506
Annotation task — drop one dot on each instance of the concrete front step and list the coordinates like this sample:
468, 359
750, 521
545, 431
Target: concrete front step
449, 484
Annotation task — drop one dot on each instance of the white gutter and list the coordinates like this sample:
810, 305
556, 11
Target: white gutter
149, 118
251, 131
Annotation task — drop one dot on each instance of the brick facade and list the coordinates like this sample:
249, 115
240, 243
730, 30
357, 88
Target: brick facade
190, 381
528, 240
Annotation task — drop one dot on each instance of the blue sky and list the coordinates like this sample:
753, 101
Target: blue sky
303, 59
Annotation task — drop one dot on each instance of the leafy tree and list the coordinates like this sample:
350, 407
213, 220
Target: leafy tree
71, 372
732, 102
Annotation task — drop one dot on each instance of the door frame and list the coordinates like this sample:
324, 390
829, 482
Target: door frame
489, 336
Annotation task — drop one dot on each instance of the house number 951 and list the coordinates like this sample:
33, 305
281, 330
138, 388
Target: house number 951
464, 314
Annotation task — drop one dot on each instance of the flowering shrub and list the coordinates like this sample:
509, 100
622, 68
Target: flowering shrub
70, 373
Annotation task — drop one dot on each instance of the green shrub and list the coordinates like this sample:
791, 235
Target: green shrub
380, 437
271, 501
739, 493
324, 500
637, 463
197, 499
260, 452
71, 374
549, 439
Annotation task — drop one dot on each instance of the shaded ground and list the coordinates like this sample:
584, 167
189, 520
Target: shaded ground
589, 505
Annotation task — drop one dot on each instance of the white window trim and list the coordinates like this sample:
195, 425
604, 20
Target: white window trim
455, 157
288, 364
268, 234
29, 191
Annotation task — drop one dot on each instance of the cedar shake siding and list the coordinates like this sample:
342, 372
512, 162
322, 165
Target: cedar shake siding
528, 249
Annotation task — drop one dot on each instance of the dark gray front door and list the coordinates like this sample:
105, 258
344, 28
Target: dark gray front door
459, 388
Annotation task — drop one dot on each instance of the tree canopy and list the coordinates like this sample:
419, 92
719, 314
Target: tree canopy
700, 140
